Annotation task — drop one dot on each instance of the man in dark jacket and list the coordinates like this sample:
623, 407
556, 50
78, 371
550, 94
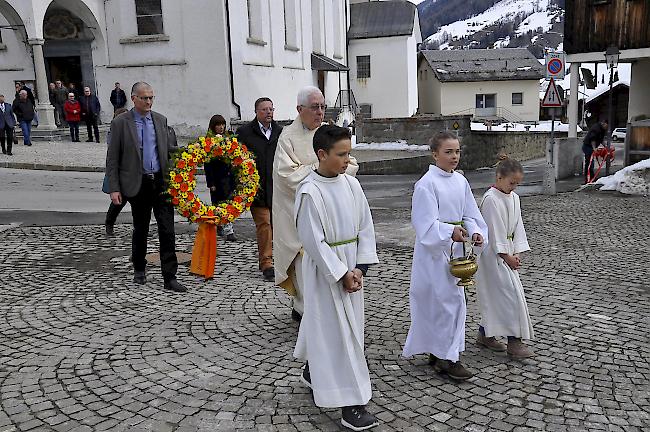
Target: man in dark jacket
60, 96
118, 97
7, 123
261, 137
592, 140
24, 110
90, 109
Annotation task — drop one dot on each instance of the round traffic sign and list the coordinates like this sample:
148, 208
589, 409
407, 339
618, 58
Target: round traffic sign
554, 66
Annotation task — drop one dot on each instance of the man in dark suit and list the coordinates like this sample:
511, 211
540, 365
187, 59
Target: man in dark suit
90, 109
7, 123
137, 163
261, 137
118, 97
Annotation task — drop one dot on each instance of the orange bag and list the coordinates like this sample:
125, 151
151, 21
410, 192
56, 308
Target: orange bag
204, 251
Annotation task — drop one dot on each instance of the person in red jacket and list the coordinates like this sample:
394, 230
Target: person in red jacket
72, 109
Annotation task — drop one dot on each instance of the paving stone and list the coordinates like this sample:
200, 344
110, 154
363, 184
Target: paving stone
82, 348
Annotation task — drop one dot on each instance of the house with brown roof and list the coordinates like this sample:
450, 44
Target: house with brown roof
494, 84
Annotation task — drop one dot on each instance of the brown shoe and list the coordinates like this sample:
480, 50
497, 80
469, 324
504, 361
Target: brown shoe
490, 343
517, 349
454, 370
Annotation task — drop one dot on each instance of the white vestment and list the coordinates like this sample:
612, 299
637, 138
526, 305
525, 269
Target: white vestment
294, 160
437, 304
504, 311
331, 210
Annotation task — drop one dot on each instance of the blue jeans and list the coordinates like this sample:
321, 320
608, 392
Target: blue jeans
26, 127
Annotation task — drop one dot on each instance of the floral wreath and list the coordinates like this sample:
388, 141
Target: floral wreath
182, 179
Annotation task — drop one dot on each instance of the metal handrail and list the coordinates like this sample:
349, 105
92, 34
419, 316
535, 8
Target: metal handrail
346, 98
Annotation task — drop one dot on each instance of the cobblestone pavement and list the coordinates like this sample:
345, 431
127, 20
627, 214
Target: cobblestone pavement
82, 348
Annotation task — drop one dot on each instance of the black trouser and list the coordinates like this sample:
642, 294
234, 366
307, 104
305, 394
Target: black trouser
8, 134
113, 212
588, 169
151, 197
74, 130
91, 124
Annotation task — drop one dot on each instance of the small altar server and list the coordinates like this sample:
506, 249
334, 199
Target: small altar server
501, 297
335, 227
443, 211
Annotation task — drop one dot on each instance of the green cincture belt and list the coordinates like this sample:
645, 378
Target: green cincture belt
511, 236
343, 242
459, 223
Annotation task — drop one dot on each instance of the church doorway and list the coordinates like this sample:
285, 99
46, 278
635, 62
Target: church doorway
67, 49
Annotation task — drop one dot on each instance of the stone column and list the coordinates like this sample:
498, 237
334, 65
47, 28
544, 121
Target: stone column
573, 100
43, 106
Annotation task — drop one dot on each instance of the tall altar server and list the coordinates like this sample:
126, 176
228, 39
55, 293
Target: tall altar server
443, 211
335, 228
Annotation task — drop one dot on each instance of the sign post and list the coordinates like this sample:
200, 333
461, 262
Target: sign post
552, 100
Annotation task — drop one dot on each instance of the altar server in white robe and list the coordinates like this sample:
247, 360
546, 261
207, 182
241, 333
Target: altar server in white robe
444, 211
501, 297
335, 228
294, 160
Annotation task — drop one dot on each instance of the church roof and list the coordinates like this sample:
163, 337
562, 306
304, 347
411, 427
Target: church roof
381, 19
483, 64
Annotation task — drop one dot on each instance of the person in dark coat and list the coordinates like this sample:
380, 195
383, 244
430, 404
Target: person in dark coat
261, 137
24, 110
118, 97
7, 123
30, 94
219, 178
592, 140
90, 109
60, 97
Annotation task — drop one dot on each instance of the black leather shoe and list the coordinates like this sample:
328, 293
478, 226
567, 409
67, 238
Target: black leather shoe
109, 230
89, 140
269, 274
140, 277
295, 315
305, 377
174, 285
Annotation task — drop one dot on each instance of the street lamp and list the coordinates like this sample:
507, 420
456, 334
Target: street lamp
611, 56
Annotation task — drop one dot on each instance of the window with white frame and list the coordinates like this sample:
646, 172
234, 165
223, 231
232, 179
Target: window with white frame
363, 66
255, 32
518, 98
366, 110
149, 17
486, 101
290, 26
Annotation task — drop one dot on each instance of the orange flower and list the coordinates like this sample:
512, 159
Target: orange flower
237, 161
178, 178
173, 192
180, 164
190, 196
218, 151
244, 148
210, 212
184, 187
186, 213
208, 141
175, 201
238, 199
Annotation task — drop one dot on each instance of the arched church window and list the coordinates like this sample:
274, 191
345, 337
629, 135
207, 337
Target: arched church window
149, 16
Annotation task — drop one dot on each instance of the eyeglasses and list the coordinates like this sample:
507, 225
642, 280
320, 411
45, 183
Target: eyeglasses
315, 107
146, 98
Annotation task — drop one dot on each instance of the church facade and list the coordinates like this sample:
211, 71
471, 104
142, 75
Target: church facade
202, 57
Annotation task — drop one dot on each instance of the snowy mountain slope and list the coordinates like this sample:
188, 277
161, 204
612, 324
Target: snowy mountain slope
508, 23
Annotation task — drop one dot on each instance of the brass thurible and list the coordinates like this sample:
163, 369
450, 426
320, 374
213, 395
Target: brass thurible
463, 267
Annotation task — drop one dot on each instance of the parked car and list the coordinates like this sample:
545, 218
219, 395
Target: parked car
619, 134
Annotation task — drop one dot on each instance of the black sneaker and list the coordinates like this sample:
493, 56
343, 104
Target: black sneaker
357, 418
140, 277
305, 377
269, 274
295, 315
109, 230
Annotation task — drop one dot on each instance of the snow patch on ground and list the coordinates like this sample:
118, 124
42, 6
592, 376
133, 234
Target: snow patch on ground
398, 145
631, 180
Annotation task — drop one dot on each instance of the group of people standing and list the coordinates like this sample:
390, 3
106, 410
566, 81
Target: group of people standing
316, 239
22, 112
71, 108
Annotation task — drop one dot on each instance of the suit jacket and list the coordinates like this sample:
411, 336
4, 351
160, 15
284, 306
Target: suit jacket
264, 151
124, 155
118, 98
7, 120
90, 104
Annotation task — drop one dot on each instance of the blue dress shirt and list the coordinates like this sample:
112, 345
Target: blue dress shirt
148, 146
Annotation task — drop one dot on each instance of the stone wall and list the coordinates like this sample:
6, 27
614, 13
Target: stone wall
482, 148
413, 130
